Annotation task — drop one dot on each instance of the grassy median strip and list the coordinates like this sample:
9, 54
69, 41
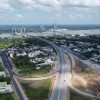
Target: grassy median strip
37, 90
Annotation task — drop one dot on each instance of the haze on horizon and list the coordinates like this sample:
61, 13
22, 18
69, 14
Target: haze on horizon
49, 12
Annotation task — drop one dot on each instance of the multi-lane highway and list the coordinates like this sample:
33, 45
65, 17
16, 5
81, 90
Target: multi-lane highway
60, 89
9, 67
63, 72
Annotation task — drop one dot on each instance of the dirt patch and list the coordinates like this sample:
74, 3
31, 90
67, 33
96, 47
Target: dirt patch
89, 83
79, 82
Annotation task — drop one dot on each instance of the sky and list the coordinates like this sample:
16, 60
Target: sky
49, 12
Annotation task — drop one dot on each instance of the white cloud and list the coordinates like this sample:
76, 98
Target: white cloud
58, 9
58, 6
8, 11
60, 3
81, 3
19, 16
34, 4
5, 5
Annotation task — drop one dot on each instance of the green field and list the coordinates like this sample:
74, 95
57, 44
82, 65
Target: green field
37, 90
7, 96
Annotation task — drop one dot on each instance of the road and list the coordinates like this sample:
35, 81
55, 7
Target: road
9, 67
63, 76
60, 89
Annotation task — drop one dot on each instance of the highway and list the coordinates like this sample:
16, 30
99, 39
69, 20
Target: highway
8, 66
60, 89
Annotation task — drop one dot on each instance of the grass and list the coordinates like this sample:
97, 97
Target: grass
75, 96
42, 71
37, 90
35, 73
7, 96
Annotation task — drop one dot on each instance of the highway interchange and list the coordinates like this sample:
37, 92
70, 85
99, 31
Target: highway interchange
63, 69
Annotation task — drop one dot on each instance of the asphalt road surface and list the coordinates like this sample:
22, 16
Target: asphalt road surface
60, 89
8, 66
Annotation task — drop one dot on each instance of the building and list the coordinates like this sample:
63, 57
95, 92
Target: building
34, 53
21, 54
47, 63
11, 55
4, 88
47, 49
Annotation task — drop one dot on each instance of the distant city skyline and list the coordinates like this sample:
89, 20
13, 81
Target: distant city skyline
49, 12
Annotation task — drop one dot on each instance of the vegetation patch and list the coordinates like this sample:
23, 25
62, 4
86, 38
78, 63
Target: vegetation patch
35, 73
37, 90
1, 65
5, 78
27, 68
7, 96
5, 43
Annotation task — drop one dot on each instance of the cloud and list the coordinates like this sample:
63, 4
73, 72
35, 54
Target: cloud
34, 4
19, 16
60, 3
56, 10
81, 3
7, 10
5, 5
72, 17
